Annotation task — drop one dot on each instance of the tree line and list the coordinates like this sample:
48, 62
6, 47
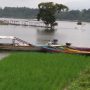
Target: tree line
18, 12
24, 12
83, 15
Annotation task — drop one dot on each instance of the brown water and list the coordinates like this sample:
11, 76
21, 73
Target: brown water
78, 35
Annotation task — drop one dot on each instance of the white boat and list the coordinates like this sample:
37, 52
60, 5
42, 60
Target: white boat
17, 44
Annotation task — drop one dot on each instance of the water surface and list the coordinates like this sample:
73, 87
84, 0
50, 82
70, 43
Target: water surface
66, 31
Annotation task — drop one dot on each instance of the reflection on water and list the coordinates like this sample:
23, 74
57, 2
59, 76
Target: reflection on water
44, 35
78, 35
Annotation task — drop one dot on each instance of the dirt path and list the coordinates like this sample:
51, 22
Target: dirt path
3, 54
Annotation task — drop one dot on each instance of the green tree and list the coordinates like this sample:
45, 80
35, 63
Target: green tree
47, 12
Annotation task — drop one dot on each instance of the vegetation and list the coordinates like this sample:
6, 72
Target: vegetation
82, 82
47, 12
18, 12
23, 12
83, 15
40, 71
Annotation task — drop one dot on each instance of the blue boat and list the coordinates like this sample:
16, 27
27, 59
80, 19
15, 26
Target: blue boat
52, 49
62, 49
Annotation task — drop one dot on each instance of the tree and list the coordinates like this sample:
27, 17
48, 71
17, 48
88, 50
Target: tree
47, 12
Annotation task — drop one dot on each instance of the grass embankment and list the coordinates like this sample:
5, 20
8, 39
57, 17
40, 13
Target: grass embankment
40, 71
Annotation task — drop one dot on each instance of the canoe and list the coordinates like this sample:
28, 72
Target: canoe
80, 48
73, 51
52, 49
63, 50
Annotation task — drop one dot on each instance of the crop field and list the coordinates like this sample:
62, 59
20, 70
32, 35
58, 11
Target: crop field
40, 71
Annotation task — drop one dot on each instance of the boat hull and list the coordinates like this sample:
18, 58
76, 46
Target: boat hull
51, 49
19, 48
64, 50
73, 51
80, 48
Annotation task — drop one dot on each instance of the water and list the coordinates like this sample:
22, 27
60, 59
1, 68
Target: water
77, 35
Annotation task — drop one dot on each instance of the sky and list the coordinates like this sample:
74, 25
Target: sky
72, 4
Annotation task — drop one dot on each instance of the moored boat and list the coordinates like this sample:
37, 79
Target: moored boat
52, 49
62, 49
80, 48
68, 45
75, 51
17, 44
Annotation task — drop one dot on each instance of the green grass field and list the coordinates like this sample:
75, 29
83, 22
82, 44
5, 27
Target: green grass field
40, 71
82, 82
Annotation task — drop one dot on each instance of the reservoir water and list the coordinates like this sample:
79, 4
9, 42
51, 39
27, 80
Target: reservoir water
66, 31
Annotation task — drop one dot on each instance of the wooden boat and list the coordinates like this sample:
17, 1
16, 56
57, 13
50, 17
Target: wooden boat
62, 49
17, 45
52, 49
73, 51
79, 48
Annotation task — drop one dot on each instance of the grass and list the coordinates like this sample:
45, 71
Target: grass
40, 71
82, 82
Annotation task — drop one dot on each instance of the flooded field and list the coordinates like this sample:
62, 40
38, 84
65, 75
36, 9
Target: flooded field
66, 31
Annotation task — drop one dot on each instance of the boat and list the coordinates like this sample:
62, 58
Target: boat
80, 48
52, 49
75, 51
62, 49
69, 46
17, 44
79, 23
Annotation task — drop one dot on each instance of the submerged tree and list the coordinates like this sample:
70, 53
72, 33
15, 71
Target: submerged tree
47, 12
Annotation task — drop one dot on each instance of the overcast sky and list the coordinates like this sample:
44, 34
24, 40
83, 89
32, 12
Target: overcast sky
72, 4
